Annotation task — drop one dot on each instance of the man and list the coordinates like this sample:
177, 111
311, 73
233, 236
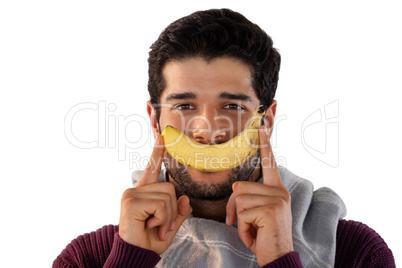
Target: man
207, 73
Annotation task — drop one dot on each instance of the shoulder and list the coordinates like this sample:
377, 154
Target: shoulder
357, 245
81, 250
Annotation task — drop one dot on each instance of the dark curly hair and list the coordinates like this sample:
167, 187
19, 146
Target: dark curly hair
211, 34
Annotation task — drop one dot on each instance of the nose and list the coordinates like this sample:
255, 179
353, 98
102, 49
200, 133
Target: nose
207, 128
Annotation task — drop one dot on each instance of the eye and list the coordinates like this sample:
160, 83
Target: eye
233, 106
184, 106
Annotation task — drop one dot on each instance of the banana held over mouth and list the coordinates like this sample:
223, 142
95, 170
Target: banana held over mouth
214, 157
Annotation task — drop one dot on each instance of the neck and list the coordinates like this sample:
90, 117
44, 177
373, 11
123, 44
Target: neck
207, 209
212, 209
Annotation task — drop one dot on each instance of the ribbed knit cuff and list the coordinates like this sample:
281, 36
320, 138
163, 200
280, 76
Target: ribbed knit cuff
290, 260
126, 255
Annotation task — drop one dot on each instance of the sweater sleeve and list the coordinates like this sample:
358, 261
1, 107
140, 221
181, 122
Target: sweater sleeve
127, 255
357, 245
104, 248
291, 260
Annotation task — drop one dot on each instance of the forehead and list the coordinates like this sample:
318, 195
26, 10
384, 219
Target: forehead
207, 78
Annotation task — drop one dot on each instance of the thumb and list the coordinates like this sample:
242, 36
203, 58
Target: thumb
184, 210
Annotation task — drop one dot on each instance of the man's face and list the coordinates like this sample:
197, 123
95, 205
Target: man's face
211, 103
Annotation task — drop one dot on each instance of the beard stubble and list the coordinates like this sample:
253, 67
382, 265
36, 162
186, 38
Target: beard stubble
208, 191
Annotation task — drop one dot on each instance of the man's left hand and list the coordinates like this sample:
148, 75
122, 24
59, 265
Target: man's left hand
263, 211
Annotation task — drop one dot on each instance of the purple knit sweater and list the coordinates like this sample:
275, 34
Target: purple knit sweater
357, 245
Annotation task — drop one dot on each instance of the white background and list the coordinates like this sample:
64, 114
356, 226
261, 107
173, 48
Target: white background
55, 55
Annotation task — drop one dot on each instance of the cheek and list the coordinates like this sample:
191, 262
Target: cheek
238, 124
173, 120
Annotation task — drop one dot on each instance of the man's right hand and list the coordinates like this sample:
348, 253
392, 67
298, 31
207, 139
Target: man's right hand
150, 213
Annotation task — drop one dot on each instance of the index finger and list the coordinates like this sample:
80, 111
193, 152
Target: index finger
151, 172
270, 171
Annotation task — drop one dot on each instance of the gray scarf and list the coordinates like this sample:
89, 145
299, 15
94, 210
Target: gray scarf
206, 243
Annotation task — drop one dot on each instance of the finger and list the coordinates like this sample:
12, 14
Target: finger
245, 234
231, 214
245, 187
152, 208
151, 211
156, 203
270, 170
231, 207
160, 219
249, 201
164, 191
245, 226
248, 187
184, 210
249, 222
163, 187
151, 172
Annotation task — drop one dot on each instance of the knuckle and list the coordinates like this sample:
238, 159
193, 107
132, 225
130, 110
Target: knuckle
127, 193
242, 184
241, 216
282, 203
160, 204
286, 196
129, 201
270, 210
166, 197
170, 187
240, 199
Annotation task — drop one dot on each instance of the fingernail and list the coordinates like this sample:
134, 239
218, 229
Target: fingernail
166, 236
234, 185
227, 220
173, 226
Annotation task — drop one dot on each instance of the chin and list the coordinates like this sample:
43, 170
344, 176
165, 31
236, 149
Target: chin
211, 177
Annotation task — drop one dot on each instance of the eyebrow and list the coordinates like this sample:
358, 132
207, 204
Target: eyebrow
223, 95
181, 96
234, 96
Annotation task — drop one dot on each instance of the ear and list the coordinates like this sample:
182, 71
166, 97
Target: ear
152, 117
269, 117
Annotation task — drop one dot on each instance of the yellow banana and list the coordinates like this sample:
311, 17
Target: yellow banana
214, 157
